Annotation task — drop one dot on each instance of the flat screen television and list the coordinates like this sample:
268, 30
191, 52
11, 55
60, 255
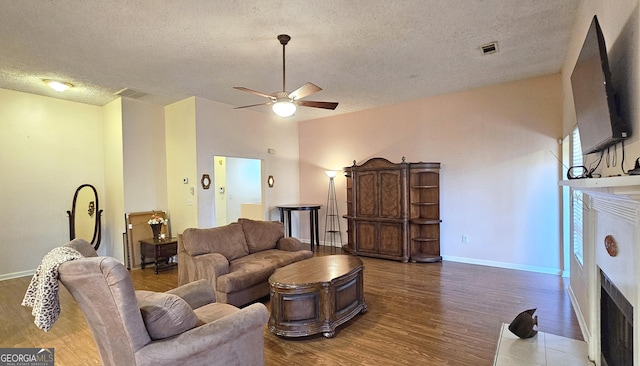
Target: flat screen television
595, 100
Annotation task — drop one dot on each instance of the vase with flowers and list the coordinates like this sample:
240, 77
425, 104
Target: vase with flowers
156, 221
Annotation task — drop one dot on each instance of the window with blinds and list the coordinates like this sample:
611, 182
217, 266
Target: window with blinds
577, 204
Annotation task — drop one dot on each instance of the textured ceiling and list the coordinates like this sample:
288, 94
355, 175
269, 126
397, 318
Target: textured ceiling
362, 53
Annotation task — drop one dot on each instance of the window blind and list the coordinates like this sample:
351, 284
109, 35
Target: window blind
577, 203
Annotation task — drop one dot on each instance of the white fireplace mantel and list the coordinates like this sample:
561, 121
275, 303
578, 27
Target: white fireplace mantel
612, 208
619, 186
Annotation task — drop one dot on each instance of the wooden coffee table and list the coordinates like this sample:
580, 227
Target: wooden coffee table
316, 295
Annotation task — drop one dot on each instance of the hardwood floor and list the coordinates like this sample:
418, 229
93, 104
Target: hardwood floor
418, 314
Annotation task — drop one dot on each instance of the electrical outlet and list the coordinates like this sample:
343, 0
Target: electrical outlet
465, 238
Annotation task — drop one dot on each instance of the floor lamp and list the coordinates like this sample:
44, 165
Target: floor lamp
332, 220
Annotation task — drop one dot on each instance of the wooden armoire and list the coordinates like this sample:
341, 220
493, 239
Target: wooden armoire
393, 210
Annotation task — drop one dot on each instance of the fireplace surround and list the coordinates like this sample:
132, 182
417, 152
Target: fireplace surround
616, 325
611, 270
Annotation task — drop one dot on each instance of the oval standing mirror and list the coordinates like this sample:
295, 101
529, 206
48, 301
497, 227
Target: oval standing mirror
84, 217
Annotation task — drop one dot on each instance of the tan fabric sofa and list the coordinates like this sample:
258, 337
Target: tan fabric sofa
237, 259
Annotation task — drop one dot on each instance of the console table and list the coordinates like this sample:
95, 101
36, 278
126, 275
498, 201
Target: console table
313, 220
160, 250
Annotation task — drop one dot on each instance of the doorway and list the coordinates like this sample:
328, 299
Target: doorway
238, 189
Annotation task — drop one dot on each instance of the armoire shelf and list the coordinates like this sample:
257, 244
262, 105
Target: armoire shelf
424, 222
393, 210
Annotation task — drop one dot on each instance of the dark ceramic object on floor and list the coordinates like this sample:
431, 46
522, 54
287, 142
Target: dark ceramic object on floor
523, 324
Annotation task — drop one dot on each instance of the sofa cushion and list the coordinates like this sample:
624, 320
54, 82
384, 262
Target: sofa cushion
261, 235
228, 240
214, 311
278, 258
244, 273
256, 268
165, 315
290, 244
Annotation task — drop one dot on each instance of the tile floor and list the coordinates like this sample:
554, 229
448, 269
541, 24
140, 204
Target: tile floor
542, 350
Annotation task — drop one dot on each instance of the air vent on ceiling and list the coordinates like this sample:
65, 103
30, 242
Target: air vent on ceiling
129, 93
489, 48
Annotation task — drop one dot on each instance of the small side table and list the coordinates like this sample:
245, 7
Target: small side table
160, 250
313, 220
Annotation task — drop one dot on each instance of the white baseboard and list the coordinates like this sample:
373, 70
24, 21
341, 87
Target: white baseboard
546, 270
322, 243
581, 321
13, 275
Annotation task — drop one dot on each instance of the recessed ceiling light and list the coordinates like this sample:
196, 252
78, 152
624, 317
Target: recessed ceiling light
57, 85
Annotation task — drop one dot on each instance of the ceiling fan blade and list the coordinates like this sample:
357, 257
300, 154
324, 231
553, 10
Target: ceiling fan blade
253, 105
303, 91
325, 105
242, 88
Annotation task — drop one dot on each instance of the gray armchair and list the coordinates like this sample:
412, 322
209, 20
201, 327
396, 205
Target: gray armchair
146, 328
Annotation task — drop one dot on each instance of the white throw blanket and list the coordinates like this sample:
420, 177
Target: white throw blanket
42, 293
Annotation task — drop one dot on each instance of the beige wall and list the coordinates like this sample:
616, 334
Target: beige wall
498, 148
113, 222
145, 158
180, 120
224, 131
48, 147
198, 129
136, 154
135, 167
620, 25
220, 181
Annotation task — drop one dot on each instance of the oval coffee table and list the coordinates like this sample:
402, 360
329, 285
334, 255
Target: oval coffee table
316, 295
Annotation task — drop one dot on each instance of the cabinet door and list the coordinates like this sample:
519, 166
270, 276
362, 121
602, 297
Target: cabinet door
391, 239
366, 240
367, 191
390, 195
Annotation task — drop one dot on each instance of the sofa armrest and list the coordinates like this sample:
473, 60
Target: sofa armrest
290, 244
217, 261
241, 331
208, 267
196, 294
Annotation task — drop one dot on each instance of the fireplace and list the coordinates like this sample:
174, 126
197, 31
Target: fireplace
616, 325
605, 290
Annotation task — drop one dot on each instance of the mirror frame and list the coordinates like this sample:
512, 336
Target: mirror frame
95, 241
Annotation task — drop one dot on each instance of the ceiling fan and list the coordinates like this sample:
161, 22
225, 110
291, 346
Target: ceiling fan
284, 103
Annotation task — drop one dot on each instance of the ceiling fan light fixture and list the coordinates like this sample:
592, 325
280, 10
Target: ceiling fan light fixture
57, 85
284, 103
284, 108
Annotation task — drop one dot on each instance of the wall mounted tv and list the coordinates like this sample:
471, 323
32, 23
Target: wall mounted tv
595, 100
